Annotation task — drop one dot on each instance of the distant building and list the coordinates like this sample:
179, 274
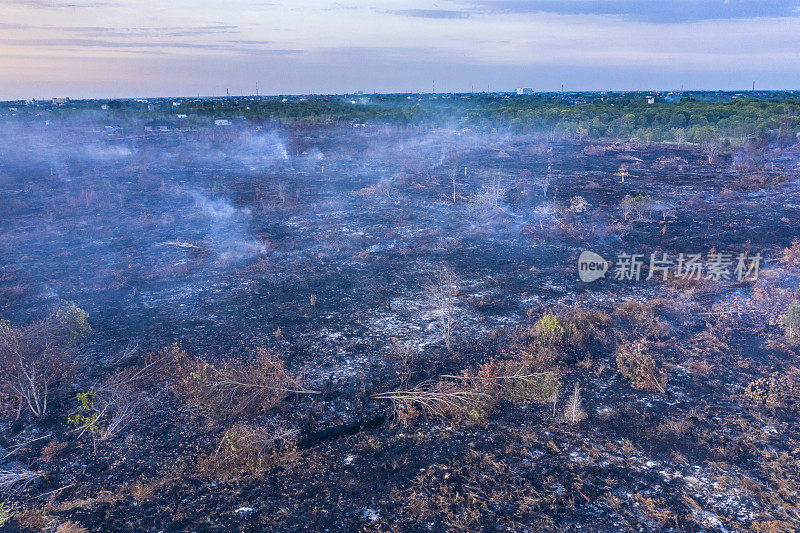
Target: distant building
60, 101
524, 90
181, 115
222, 121
651, 99
159, 126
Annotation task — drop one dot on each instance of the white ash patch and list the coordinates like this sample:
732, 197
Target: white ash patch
721, 492
371, 514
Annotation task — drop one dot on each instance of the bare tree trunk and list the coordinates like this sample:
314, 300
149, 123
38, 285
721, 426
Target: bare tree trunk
711, 148
442, 292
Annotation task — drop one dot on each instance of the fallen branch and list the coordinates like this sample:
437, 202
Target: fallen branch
10, 478
442, 398
180, 244
342, 430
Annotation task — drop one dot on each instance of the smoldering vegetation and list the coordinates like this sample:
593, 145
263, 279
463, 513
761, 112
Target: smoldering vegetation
317, 326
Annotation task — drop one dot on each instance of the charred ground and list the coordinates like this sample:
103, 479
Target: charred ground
255, 292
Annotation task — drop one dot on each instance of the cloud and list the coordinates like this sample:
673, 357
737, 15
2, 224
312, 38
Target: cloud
673, 11
431, 13
222, 46
105, 31
42, 4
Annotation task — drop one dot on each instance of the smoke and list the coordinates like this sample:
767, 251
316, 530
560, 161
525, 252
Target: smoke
167, 227
227, 228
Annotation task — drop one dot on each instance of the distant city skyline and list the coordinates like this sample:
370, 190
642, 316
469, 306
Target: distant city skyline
127, 48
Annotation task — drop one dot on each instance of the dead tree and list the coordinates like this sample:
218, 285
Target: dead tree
544, 183
442, 292
710, 149
680, 137
495, 190
574, 411
35, 358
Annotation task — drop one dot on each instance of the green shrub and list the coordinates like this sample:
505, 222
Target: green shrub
74, 319
87, 417
549, 330
5, 514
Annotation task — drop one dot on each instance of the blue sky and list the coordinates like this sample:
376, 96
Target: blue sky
114, 48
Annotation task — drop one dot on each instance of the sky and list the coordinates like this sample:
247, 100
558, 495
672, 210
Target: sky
150, 48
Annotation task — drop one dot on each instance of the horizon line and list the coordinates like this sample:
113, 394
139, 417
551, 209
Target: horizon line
408, 93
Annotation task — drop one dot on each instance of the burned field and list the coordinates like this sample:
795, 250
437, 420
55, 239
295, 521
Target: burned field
383, 329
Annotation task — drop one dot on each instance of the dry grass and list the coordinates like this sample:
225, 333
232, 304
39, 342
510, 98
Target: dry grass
791, 255
774, 391
71, 527
466, 493
104, 496
635, 362
34, 520
52, 450
636, 320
